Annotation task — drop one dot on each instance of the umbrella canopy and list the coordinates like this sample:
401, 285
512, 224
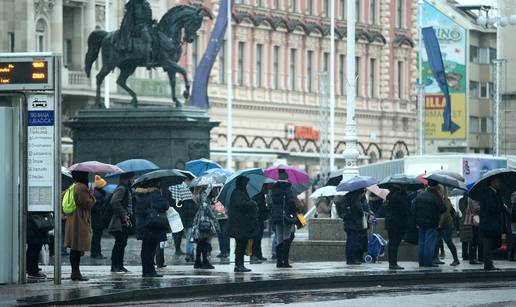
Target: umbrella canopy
422, 179
334, 178
447, 181
208, 180
326, 191
356, 183
110, 188
376, 190
180, 192
198, 167
188, 174
456, 192
168, 177
295, 175
507, 176
298, 189
95, 167
136, 166
450, 174
411, 183
219, 171
256, 181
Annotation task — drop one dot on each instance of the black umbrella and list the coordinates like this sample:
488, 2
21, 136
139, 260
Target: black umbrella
447, 181
334, 178
188, 174
411, 183
507, 176
169, 177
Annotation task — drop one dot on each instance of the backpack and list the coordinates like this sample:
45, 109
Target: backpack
68, 203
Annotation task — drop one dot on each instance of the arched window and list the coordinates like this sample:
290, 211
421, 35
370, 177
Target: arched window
41, 35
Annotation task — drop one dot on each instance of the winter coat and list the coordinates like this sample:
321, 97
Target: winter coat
349, 208
187, 210
120, 201
205, 213
428, 208
146, 201
284, 201
101, 197
396, 211
78, 224
447, 217
242, 213
492, 212
34, 235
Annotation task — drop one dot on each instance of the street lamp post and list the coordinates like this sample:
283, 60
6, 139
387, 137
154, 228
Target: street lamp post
107, 83
421, 85
229, 82
332, 85
350, 153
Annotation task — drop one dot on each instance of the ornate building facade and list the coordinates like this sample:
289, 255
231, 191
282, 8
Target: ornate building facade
280, 53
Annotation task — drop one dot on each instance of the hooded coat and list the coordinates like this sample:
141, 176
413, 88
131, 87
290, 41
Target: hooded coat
242, 213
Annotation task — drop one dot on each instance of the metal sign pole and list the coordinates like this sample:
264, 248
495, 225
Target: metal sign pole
23, 198
57, 171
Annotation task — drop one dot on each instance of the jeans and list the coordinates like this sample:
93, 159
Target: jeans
446, 235
426, 245
353, 246
239, 252
393, 246
257, 242
147, 255
95, 242
117, 256
189, 243
224, 240
33, 251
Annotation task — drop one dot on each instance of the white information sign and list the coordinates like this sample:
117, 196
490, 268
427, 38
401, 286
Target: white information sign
41, 152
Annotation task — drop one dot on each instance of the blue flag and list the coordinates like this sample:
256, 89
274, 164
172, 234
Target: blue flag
435, 60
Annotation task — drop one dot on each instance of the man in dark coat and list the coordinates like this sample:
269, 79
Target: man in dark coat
242, 221
492, 210
263, 215
36, 238
97, 224
121, 203
349, 208
428, 209
396, 216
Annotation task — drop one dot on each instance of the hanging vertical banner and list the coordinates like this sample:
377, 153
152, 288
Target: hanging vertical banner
445, 90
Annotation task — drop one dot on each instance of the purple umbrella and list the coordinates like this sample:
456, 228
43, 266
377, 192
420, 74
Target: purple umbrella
356, 183
95, 167
295, 175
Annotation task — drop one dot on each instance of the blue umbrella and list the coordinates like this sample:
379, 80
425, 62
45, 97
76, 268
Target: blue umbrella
198, 167
110, 188
256, 181
356, 183
219, 171
137, 166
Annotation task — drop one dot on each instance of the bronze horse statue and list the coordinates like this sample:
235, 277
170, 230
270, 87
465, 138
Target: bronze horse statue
177, 27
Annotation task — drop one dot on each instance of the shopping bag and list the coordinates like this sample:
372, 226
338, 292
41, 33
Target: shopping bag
249, 248
45, 254
301, 221
174, 220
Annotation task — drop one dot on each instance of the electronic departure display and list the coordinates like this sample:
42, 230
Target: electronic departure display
26, 73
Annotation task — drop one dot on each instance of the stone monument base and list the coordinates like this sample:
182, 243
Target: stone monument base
167, 136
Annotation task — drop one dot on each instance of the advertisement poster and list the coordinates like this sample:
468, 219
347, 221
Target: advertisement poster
452, 40
473, 168
41, 156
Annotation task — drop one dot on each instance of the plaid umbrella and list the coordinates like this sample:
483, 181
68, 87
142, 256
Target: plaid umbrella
180, 192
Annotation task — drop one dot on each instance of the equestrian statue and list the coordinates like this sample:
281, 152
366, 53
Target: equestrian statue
143, 42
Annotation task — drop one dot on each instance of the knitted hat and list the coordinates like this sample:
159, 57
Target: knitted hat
99, 182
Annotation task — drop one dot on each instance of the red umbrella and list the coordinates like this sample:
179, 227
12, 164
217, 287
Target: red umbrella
95, 167
382, 193
422, 178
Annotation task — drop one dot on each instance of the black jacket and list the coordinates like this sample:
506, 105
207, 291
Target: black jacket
349, 208
35, 236
263, 210
144, 204
396, 211
242, 213
492, 212
187, 210
428, 209
283, 204
101, 197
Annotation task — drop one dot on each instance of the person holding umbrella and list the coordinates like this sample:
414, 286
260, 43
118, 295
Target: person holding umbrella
205, 227
396, 217
122, 205
349, 208
97, 225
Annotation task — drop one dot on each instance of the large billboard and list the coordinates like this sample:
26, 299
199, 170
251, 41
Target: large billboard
452, 40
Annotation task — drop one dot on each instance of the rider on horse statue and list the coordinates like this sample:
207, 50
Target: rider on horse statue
136, 30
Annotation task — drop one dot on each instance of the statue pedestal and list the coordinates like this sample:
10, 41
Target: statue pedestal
167, 136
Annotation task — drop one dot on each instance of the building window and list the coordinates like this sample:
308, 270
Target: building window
240, 72
491, 91
222, 63
372, 12
11, 41
67, 52
309, 70
292, 75
310, 8
294, 5
484, 55
326, 8
372, 78
277, 4
473, 124
326, 61
342, 9
357, 76
342, 84
275, 67
41, 36
259, 48
492, 55
483, 90
473, 54
486, 125
358, 10
399, 13
473, 89
401, 80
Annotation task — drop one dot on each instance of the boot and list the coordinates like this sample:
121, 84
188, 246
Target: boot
116, 269
286, 253
279, 255
76, 274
